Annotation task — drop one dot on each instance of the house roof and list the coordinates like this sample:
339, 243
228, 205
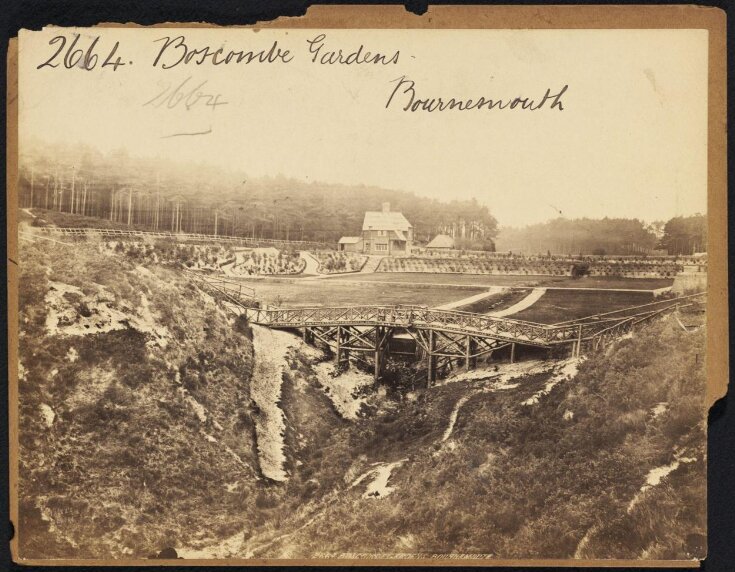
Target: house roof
378, 220
441, 241
400, 235
349, 240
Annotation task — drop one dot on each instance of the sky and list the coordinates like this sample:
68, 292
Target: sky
630, 141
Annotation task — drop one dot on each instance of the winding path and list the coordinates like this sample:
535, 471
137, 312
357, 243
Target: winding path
471, 299
312, 264
527, 302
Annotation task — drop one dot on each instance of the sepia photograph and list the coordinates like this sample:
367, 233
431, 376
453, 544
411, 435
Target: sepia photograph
318, 294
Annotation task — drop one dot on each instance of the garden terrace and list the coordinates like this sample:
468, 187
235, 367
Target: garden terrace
331, 262
535, 266
221, 258
477, 266
635, 269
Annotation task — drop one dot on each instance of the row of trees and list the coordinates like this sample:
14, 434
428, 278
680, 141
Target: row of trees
164, 195
159, 194
685, 235
680, 235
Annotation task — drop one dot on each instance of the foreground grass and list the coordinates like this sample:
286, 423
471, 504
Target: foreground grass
552, 480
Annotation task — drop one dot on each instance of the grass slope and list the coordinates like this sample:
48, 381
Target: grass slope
146, 447
520, 481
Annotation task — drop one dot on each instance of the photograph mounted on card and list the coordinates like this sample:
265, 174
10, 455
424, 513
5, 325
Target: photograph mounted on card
410, 289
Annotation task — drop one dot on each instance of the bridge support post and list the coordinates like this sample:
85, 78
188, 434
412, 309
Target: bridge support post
379, 336
579, 341
431, 360
468, 353
338, 348
512, 353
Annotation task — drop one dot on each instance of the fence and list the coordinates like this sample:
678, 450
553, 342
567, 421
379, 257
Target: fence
602, 327
245, 241
234, 292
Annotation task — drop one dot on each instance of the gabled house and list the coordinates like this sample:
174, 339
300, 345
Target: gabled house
386, 232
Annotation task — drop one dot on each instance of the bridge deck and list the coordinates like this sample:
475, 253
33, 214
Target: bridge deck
501, 329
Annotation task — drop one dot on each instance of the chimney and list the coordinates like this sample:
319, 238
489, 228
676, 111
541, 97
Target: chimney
386, 207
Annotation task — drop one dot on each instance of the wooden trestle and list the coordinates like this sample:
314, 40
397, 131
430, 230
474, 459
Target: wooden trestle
440, 349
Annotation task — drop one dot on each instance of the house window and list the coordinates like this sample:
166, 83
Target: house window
381, 247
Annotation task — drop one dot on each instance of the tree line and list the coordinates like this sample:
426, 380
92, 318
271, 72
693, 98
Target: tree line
621, 236
165, 195
161, 194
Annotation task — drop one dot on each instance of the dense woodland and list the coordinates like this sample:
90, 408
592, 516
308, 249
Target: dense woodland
685, 235
680, 235
164, 195
159, 194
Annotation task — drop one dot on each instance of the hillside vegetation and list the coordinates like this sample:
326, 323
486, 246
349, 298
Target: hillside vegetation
528, 474
130, 387
139, 432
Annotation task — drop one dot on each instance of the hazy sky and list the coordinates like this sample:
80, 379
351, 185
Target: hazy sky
630, 142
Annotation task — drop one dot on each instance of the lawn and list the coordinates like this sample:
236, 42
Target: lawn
325, 292
554, 306
510, 281
562, 305
496, 302
611, 282
481, 280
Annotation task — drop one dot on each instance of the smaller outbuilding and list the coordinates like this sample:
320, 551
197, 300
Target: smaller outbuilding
441, 242
350, 244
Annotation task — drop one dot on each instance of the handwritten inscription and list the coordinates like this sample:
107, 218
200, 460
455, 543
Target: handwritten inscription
186, 96
405, 91
75, 56
319, 49
175, 51
324, 56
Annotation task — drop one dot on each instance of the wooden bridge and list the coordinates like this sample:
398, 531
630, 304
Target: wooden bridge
445, 338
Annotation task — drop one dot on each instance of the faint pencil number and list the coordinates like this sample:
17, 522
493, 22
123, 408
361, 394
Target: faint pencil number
73, 55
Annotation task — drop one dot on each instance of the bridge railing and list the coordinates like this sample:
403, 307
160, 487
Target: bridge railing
407, 316
234, 292
519, 331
